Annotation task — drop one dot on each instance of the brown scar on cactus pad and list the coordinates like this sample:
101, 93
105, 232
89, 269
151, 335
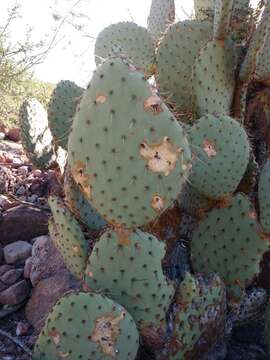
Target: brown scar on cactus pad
55, 335
158, 203
82, 179
100, 98
209, 148
160, 157
153, 103
123, 236
106, 332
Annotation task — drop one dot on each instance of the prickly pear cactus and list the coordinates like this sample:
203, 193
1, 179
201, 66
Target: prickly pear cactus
221, 237
35, 133
87, 326
176, 55
204, 9
129, 40
264, 197
213, 78
64, 101
139, 157
127, 267
200, 314
68, 237
221, 154
162, 14
78, 204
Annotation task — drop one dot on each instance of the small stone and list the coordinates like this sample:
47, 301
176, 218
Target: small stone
21, 190
5, 268
2, 136
32, 199
17, 252
23, 170
37, 173
11, 276
5, 203
28, 268
22, 328
14, 134
15, 294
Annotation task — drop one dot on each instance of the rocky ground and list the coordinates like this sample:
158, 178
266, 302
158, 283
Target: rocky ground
33, 275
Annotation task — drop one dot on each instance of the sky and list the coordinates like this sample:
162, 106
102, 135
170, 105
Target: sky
73, 57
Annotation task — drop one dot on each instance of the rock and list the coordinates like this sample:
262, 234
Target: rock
37, 173
45, 261
15, 294
22, 328
32, 199
5, 203
27, 268
17, 252
1, 254
23, 170
21, 190
5, 268
11, 276
2, 135
3, 286
46, 294
13, 135
24, 223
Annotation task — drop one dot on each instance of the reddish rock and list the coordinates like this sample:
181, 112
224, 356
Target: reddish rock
14, 135
17, 252
46, 294
11, 276
27, 268
46, 260
15, 294
5, 268
24, 223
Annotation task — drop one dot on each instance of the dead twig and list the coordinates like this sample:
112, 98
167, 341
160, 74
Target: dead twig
27, 203
16, 341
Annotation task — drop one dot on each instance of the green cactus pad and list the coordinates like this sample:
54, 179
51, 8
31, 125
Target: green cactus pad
126, 150
204, 9
129, 40
223, 14
68, 238
192, 202
175, 57
262, 72
35, 133
214, 78
77, 203
162, 13
229, 241
264, 197
221, 149
87, 326
62, 107
126, 266
256, 47
200, 316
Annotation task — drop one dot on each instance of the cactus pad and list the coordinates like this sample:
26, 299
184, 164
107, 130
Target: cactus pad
223, 14
200, 316
221, 149
175, 57
162, 13
126, 266
214, 78
62, 107
138, 158
35, 133
87, 326
264, 197
229, 241
68, 238
204, 9
129, 40
78, 204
